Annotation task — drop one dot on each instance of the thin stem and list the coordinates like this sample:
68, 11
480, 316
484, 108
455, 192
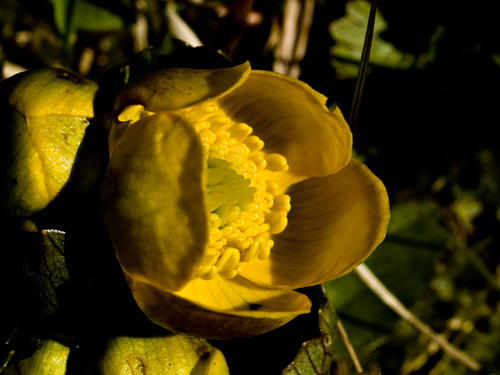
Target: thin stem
179, 28
305, 22
390, 300
297, 21
4, 364
363, 67
348, 346
286, 46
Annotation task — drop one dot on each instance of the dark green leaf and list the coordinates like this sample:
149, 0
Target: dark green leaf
62, 16
315, 356
349, 33
88, 16
48, 271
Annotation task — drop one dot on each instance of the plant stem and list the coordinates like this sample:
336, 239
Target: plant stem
391, 301
363, 67
348, 346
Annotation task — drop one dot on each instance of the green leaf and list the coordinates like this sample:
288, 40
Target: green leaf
74, 15
62, 16
88, 16
349, 34
53, 265
48, 272
403, 262
315, 356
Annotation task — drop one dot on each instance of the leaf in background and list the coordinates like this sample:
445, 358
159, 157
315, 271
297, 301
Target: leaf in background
315, 356
62, 16
496, 58
74, 15
403, 262
88, 16
53, 265
349, 33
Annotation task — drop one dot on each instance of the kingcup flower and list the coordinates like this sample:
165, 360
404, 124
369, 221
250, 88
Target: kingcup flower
229, 188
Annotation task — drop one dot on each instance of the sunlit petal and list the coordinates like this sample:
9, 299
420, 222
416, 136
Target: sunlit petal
176, 88
153, 201
292, 120
171, 89
219, 308
43, 92
336, 223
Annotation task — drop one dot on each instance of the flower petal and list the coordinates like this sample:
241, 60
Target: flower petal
292, 119
56, 140
219, 308
171, 89
335, 224
52, 91
153, 201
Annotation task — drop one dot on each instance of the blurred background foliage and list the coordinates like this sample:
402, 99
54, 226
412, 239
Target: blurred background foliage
427, 127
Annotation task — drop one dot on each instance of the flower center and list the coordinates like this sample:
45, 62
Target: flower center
245, 209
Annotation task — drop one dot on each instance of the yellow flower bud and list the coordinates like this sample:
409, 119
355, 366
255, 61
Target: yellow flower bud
45, 114
50, 358
172, 354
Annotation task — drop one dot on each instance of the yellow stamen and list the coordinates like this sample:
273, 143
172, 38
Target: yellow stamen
276, 162
245, 209
132, 113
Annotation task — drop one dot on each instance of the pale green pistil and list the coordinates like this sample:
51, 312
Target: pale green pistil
226, 189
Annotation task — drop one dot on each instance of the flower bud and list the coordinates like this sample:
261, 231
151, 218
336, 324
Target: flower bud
45, 114
162, 355
49, 358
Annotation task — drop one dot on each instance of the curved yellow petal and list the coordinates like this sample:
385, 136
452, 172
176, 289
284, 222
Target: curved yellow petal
40, 156
292, 120
219, 308
335, 224
56, 140
153, 201
44, 120
53, 91
22, 180
171, 89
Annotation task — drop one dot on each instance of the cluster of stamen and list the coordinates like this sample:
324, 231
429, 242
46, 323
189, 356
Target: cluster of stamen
245, 209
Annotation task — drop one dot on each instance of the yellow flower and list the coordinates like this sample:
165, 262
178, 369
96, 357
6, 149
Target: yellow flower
229, 188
